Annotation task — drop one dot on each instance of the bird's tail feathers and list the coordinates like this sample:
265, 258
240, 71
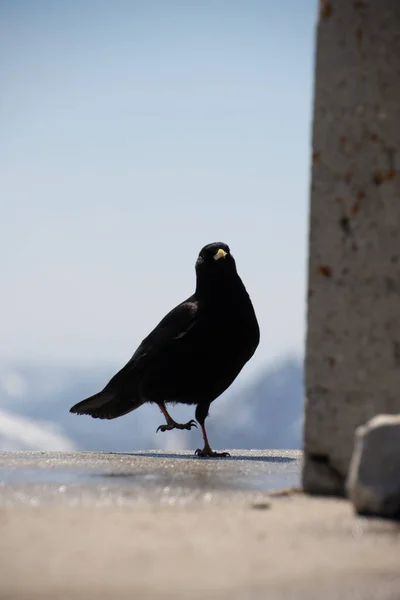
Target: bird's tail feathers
105, 405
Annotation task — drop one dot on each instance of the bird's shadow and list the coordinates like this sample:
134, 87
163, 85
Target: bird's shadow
257, 458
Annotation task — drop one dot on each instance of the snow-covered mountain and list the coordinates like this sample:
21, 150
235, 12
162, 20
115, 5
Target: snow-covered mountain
263, 412
20, 433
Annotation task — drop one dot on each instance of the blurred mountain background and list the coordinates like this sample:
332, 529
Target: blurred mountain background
261, 411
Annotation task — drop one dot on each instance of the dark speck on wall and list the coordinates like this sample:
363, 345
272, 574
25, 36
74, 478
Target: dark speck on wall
325, 270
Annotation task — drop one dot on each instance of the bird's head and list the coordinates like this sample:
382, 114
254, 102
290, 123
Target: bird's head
215, 264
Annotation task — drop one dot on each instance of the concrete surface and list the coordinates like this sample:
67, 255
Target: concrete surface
142, 478
353, 339
155, 526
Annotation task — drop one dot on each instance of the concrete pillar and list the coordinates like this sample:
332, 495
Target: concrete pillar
353, 338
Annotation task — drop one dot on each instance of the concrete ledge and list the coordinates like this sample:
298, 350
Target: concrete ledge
242, 544
143, 479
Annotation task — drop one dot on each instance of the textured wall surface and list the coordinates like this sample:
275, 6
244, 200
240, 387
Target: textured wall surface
353, 338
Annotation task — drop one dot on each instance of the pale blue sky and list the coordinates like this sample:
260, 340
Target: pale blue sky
133, 133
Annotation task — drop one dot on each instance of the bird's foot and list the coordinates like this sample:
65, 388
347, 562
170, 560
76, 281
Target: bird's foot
174, 425
207, 452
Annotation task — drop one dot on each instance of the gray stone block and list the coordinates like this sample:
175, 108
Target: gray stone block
373, 483
352, 369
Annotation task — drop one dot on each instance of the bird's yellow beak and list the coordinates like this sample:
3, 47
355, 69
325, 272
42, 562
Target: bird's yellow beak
220, 254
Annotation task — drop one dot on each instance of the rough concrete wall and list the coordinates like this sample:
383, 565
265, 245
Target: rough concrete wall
353, 339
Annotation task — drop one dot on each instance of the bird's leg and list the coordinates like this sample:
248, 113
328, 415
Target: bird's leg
171, 424
207, 448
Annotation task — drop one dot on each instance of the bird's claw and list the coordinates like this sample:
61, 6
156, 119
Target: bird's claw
207, 452
163, 428
170, 426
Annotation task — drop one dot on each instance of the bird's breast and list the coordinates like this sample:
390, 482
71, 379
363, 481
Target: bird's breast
232, 330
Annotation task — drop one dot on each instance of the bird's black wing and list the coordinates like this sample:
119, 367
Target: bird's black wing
121, 394
173, 326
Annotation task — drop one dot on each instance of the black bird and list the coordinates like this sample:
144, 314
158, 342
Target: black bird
194, 353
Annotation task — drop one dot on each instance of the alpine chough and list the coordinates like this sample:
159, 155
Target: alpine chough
194, 353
